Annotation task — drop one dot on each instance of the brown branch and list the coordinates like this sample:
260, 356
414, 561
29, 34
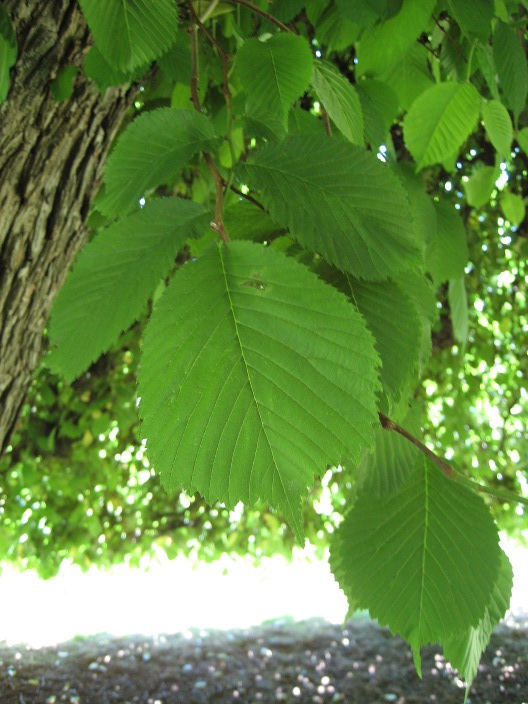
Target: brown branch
218, 223
246, 196
263, 13
326, 121
453, 42
446, 468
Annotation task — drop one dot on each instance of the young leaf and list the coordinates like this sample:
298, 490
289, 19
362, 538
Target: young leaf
338, 200
255, 375
498, 126
464, 649
113, 279
423, 560
480, 185
274, 74
410, 77
513, 207
130, 33
512, 69
439, 121
340, 101
457, 298
446, 252
152, 149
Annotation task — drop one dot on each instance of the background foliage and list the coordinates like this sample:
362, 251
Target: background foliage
375, 155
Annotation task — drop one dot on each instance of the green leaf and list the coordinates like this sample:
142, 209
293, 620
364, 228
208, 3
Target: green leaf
480, 185
498, 126
393, 320
103, 74
130, 33
286, 10
62, 86
473, 16
365, 13
513, 207
486, 63
410, 77
440, 120
255, 375
151, 150
464, 649
274, 74
384, 46
512, 69
423, 560
457, 298
338, 200
446, 252
340, 101
522, 139
113, 279
389, 465
380, 107
8, 51
243, 220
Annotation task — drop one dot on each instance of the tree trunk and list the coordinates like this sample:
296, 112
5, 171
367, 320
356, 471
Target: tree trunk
52, 156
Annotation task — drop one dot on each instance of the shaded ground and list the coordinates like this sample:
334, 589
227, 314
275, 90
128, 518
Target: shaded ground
311, 662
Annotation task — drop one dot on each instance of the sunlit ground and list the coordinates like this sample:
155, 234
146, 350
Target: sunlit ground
175, 596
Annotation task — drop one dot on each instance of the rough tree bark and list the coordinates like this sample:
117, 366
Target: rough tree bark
52, 156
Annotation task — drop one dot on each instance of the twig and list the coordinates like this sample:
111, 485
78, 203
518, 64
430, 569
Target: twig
453, 42
208, 10
389, 424
218, 223
263, 13
449, 471
246, 196
326, 121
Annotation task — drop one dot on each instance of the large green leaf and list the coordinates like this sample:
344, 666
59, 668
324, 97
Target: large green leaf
411, 76
274, 74
114, 277
464, 650
130, 33
473, 16
423, 560
440, 120
446, 252
255, 375
338, 200
498, 126
340, 101
512, 68
150, 151
384, 46
8, 51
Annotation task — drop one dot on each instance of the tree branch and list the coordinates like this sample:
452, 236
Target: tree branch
263, 13
449, 471
218, 223
446, 468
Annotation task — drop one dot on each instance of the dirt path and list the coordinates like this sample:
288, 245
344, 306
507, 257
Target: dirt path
312, 661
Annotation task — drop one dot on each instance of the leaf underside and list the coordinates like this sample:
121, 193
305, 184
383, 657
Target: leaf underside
255, 375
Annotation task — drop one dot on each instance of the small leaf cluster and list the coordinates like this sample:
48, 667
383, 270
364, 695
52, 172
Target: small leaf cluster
288, 151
